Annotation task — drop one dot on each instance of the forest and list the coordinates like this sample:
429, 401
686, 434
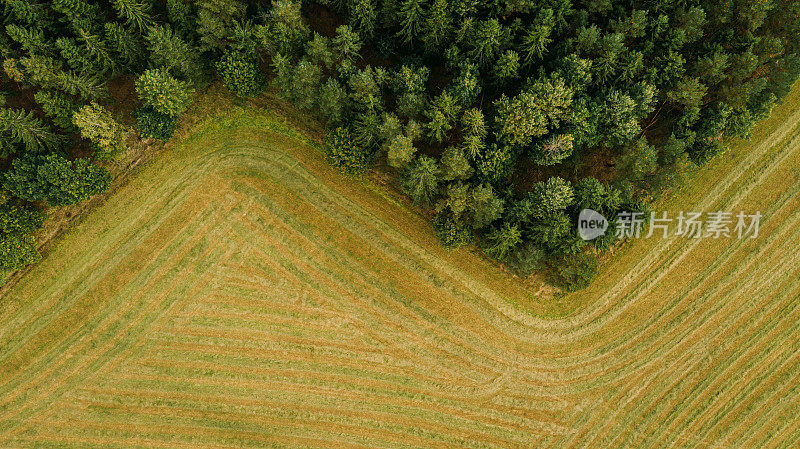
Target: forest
501, 120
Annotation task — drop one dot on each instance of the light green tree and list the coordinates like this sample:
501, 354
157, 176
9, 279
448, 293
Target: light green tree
96, 124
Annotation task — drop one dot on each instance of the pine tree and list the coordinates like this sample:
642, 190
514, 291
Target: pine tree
216, 20
182, 14
332, 102
306, 81
18, 127
473, 122
535, 42
574, 272
501, 241
485, 207
80, 14
75, 56
441, 116
161, 91
32, 40
97, 49
170, 51
619, 119
454, 164
390, 128
457, 199
400, 151
365, 88
282, 67
437, 27
553, 150
83, 85
42, 71
485, 41
526, 258
532, 112
319, 51
346, 43
29, 13
366, 131
363, 17
134, 12
58, 106
495, 162
285, 31
638, 161
550, 230
127, 47
466, 87
409, 84
551, 196
507, 67
411, 16
420, 181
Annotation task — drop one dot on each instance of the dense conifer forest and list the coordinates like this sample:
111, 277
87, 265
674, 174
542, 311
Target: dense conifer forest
500, 119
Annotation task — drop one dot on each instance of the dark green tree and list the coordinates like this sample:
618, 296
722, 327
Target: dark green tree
19, 127
168, 50
500, 242
285, 31
484, 206
421, 180
136, 13
216, 22
54, 179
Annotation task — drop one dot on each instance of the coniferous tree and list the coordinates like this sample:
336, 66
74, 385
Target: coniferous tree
216, 21
18, 127
411, 15
126, 45
161, 91
31, 40
400, 151
454, 164
332, 101
500, 242
421, 180
363, 17
136, 13
58, 106
485, 207
285, 31
346, 44
170, 51
437, 27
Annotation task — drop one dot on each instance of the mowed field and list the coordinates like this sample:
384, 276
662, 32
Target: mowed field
240, 293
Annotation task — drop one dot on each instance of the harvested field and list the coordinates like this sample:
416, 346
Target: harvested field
240, 293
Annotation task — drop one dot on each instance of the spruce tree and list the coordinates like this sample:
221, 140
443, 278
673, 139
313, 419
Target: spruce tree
421, 180
20, 127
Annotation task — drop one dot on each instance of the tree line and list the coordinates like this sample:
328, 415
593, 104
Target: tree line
501, 118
